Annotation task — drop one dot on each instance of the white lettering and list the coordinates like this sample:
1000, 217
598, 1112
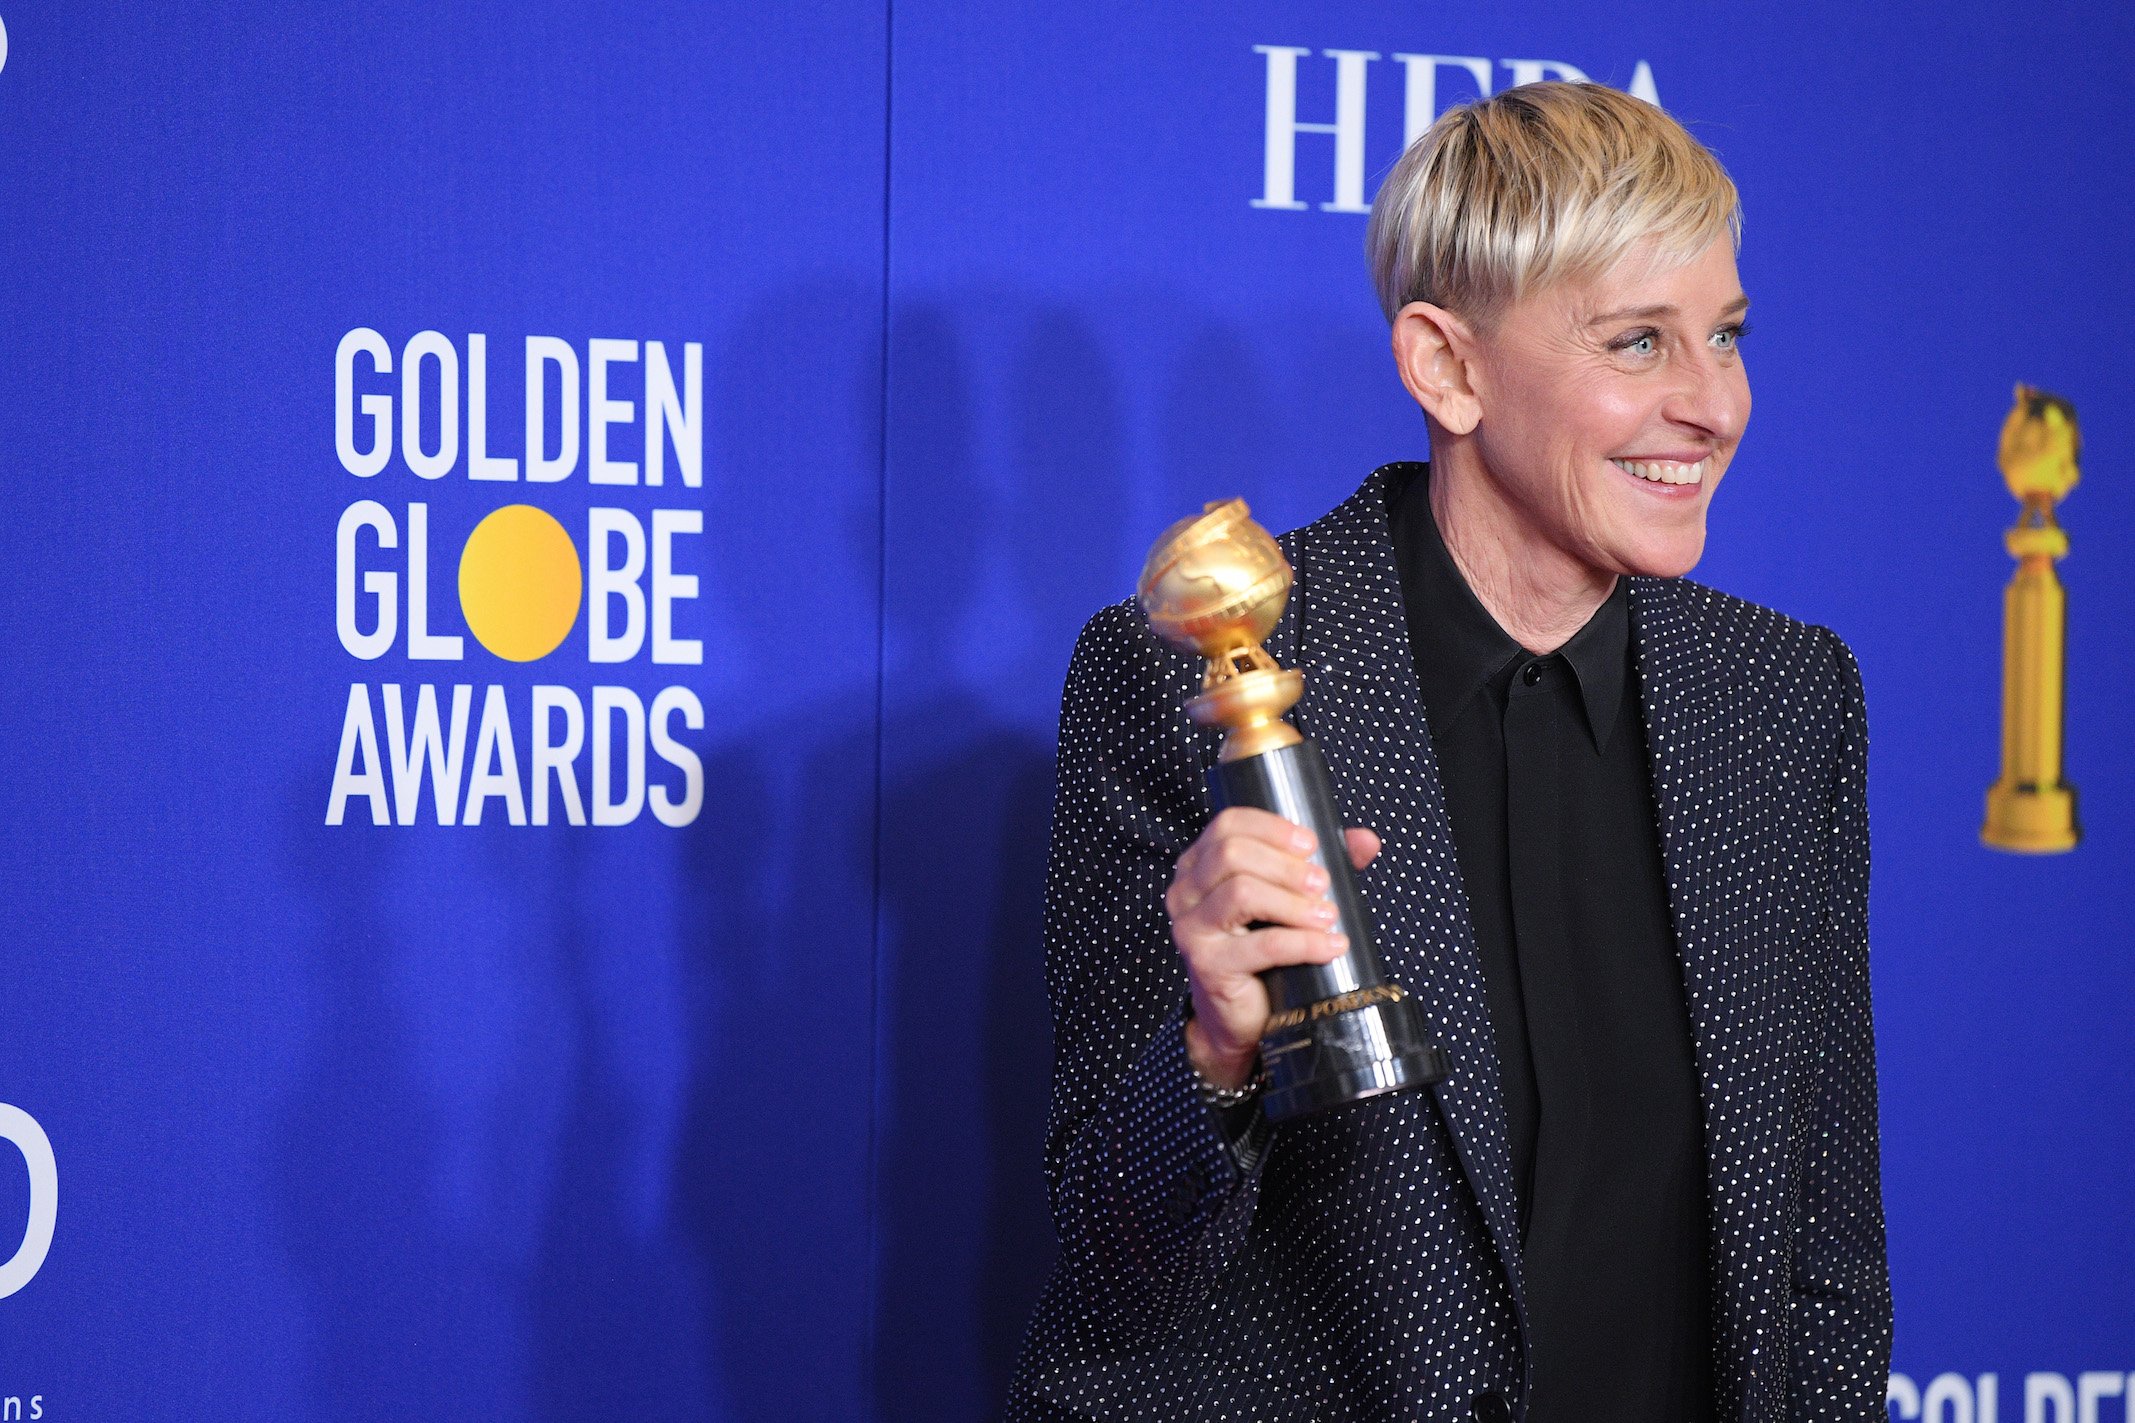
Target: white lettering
1420, 100
542, 352
2092, 1386
1902, 1392
670, 811
682, 419
378, 583
423, 645
1422, 103
1278, 185
603, 412
29, 1138
378, 409
481, 464
668, 585
496, 765
1641, 85
2042, 1390
430, 345
1948, 1400
605, 580
358, 733
606, 702
428, 742
411, 747
559, 758
1279, 159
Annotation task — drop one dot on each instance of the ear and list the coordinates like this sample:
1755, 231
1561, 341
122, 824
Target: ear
1432, 349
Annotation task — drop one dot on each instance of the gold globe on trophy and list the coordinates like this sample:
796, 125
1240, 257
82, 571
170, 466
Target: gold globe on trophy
1216, 585
2030, 808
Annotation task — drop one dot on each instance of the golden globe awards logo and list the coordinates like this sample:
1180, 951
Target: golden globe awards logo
576, 748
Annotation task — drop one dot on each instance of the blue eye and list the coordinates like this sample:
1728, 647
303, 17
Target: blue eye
1641, 343
1727, 338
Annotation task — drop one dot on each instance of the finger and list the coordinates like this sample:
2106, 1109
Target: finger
1363, 845
1244, 901
1226, 958
1241, 855
1253, 824
1180, 897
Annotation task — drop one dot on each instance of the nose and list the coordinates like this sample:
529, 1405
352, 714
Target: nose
1712, 396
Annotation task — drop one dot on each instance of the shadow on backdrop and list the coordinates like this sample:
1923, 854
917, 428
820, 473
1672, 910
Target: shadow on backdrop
966, 1035
776, 917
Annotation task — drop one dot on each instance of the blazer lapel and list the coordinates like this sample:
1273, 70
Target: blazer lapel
1699, 736
1347, 627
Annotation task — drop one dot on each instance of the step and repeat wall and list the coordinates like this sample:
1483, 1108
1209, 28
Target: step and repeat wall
538, 546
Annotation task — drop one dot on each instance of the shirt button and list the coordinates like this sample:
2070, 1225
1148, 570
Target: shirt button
1533, 674
1491, 1408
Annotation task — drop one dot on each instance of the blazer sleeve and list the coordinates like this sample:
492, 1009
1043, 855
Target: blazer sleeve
1148, 1197
1841, 1324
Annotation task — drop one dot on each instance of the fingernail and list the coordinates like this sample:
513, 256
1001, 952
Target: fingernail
1339, 939
1315, 879
1324, 913
1301, 838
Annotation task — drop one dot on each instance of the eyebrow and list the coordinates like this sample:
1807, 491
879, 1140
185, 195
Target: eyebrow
1654, 313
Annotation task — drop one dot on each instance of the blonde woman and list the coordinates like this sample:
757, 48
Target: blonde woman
1617, 843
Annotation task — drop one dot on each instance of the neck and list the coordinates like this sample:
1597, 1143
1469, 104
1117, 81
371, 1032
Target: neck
1539, 594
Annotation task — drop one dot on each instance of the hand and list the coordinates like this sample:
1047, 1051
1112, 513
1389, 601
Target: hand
1247, 867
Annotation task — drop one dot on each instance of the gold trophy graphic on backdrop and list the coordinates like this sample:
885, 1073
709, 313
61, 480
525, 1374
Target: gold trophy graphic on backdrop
2031, 808
1215, 584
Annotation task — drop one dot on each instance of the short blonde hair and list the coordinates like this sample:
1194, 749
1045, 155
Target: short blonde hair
1506, 195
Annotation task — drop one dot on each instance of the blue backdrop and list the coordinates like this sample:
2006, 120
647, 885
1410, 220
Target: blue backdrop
726, 1104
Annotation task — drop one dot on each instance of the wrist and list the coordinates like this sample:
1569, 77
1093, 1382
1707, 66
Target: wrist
1227, 1071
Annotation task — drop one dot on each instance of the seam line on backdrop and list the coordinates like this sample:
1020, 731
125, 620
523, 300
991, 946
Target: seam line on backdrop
871, 1338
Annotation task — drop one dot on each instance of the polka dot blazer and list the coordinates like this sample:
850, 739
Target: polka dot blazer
1367, 1265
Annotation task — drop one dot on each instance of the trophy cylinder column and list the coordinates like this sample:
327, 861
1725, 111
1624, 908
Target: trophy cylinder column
2030, 808
2034, 643
1341, 1031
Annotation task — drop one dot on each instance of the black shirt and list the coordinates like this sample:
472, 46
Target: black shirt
1544, 765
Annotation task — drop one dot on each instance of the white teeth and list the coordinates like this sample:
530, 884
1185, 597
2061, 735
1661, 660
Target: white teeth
1664, 471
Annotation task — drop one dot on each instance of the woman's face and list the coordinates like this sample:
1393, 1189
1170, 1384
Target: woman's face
1610, 408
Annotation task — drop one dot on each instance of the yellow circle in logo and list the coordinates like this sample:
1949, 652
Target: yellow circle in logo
520, 583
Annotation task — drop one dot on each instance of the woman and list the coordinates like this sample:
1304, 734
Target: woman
1618, 847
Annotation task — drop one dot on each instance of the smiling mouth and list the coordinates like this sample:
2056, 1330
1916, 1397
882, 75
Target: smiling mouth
1665, 471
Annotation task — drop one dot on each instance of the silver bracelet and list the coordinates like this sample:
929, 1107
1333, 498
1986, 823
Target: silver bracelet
1224, 1098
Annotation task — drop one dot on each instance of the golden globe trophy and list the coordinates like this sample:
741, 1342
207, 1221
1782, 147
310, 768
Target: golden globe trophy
2030, 808
1338, 1032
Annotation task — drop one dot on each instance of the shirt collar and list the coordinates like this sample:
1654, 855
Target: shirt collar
1458, 647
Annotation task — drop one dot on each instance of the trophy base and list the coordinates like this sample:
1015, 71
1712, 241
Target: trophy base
1345, 1056
2030, 820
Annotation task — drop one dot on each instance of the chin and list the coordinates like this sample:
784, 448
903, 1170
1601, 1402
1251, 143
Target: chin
1668, 557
